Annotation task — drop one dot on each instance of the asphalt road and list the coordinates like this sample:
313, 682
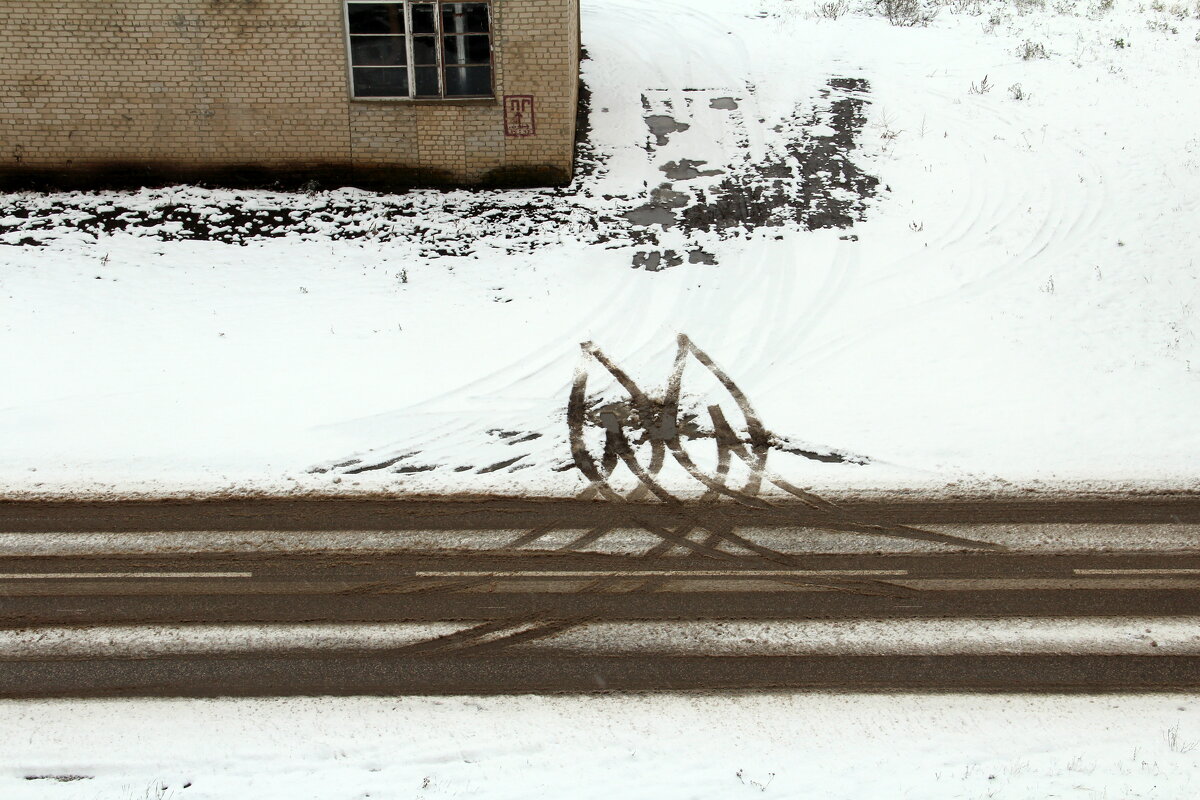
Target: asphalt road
485, 596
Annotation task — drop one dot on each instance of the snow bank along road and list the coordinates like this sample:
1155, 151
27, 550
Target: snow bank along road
330, 597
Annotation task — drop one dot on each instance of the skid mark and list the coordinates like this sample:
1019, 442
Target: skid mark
541, 630
641, 434
469, 637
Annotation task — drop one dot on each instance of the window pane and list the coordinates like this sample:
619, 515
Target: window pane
467, 50
423, 20
371, 51
380, 82
468, 81
465, 17
427, 82
376, 17
424, 50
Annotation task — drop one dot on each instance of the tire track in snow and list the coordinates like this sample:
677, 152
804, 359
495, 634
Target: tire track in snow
1064, 222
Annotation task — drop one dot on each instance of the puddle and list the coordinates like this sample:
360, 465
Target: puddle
656, 261
660, 208
662, 126
685, 170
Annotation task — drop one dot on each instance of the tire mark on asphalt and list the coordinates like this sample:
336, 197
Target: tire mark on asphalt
541, 631
459, 639
658, 424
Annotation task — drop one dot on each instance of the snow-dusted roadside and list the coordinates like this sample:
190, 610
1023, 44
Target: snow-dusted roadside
1017, 306
666, 747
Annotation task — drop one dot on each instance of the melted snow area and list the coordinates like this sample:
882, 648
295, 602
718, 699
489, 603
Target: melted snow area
839, 747
954, 255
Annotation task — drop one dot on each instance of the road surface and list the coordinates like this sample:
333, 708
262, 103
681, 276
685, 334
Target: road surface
482, 596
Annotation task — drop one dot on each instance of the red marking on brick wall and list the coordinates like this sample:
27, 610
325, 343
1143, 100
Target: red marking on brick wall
518, 115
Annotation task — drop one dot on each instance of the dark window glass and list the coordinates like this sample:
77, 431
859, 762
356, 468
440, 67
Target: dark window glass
468, 81
381, 44
376, 17
467, 50
380, 82
378, 51
465, 17
423, 20
424, 50
427, 82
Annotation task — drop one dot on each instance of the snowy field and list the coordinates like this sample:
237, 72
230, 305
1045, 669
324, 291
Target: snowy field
856, 747
960, 256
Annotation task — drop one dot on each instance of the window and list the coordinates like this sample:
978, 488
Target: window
420, 50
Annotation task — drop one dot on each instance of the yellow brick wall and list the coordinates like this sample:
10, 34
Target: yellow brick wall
537, 65
204, 84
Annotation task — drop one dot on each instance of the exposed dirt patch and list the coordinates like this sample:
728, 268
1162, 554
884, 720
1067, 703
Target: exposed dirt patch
809, 180
663, 126
685, 170
812, 182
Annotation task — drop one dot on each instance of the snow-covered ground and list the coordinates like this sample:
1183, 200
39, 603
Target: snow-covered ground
954, 256
857, 747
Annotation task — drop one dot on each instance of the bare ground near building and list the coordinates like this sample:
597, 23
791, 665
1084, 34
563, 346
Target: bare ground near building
810, 180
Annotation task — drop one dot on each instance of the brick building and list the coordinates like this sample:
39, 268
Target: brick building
244, 92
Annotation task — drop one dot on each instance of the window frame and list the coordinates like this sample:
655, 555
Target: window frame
410, 67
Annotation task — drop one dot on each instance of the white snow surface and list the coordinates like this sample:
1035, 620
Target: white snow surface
1018, 305
665, 747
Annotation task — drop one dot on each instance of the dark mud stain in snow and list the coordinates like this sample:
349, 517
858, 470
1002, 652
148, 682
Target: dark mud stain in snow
658, 211
811, 181
663, 126
499, 465
354, 466
656, 261
685, 170
651, 214
806, 180
413, 461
